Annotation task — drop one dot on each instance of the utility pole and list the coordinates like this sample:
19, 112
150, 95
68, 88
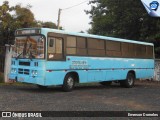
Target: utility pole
59, 16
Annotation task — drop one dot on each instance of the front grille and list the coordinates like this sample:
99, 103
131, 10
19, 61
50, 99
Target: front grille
23, 71
24, 63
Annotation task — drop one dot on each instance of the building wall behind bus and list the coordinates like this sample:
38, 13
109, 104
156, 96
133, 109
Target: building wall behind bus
157, 70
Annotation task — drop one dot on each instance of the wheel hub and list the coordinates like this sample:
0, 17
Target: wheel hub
70, 82
130, 81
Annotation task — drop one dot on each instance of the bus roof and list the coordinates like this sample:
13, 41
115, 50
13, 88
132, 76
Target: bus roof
46, 30
94, 36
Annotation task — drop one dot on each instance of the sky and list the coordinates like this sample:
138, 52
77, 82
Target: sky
74, 19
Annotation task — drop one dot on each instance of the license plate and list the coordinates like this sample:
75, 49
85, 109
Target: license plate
21, 79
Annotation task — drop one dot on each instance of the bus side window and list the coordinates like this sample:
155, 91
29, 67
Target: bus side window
71, 45
113, 48
51, 43
150, 52
55, 48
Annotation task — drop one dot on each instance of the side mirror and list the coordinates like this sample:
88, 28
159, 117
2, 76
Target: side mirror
41, 39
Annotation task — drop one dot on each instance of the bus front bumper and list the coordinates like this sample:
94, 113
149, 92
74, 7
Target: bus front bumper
27, 79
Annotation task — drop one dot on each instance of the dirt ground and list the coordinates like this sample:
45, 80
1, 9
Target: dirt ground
145, 96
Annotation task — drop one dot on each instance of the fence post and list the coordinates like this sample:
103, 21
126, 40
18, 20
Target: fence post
7, 64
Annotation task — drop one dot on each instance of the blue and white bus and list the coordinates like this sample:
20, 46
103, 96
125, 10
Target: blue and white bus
49, 57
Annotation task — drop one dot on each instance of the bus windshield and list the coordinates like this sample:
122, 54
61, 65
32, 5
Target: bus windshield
29, 47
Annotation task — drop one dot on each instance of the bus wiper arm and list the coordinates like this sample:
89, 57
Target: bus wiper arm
30, 54
24, 51
19, 55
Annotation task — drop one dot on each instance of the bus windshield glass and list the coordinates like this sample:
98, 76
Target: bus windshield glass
29, 47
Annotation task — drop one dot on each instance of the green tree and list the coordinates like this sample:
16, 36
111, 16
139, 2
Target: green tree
5, 20
52, 25
125, 19
23, 17
49, 25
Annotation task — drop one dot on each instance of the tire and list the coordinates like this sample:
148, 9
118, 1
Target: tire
42, 87
106, 83
129, 82
69, 82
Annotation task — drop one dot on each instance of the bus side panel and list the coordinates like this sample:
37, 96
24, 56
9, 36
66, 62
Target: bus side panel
83, 76
144, 68
144, 73
102, 75
112, 75
96, 75
96, 69
55, 77
118, 68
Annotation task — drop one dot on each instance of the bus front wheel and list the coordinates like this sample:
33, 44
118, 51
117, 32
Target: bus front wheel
68, 83
129, 82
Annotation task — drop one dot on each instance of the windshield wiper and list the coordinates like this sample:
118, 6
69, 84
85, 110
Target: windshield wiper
30, 54
19, 55
25, 52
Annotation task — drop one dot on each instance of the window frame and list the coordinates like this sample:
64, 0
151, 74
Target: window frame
101, 52
45, 42
118, 54
55, 35
71, 47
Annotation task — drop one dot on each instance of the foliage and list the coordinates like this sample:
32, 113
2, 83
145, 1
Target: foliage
125, 19
15, 17
1, 77
5, 19
47, 25
20, 17
24, 17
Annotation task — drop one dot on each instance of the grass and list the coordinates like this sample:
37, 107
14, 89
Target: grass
16, 84
2, 84
2, 81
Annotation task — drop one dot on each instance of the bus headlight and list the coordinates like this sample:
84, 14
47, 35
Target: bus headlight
34, 72
13, 70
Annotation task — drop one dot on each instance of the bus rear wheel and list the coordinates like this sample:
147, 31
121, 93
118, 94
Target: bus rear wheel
129, 82
68, 83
